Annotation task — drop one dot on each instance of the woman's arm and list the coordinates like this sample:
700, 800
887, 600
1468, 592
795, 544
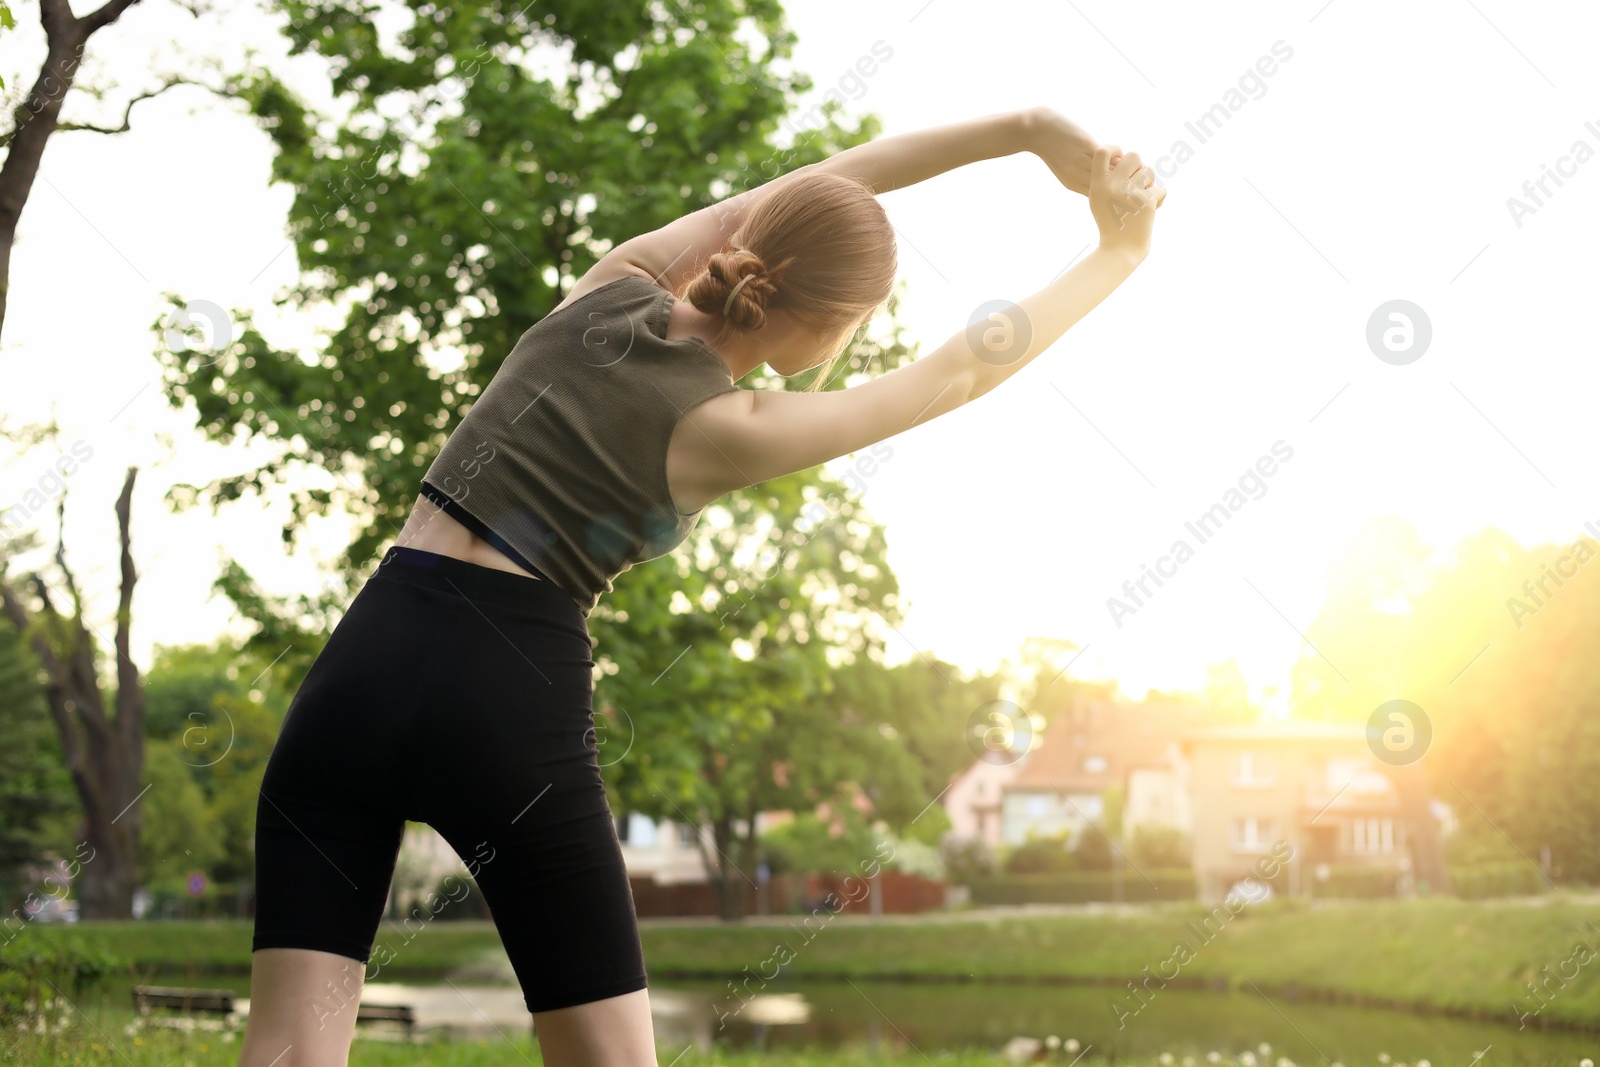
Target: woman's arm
774, 432
674, 253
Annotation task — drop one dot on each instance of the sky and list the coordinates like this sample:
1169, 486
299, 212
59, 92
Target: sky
1432, 160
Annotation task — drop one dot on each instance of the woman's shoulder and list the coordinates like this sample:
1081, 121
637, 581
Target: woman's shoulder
613, 279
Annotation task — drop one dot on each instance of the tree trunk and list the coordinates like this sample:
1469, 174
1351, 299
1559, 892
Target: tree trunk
730, 879
1429, 871
104, 753
40, 114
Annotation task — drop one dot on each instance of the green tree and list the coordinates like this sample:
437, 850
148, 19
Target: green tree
180, 833
464, 186
36, 801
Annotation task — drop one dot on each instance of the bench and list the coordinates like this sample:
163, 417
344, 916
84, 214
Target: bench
403, 1014
211, 1001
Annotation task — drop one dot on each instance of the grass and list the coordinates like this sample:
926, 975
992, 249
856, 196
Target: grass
1471, 957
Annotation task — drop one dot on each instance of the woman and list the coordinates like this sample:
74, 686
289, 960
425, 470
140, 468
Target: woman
456, 690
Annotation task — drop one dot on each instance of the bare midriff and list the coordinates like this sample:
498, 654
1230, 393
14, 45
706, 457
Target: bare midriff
430, 529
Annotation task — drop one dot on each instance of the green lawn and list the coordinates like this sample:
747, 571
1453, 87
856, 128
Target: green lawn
1442, 953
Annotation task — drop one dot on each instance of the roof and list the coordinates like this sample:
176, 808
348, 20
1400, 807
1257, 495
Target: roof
1126, 735
1287, 730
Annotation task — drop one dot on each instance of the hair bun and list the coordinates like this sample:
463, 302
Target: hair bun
736, 285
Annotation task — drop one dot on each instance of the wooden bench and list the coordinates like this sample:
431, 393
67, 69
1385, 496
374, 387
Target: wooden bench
403, 1014
211, 1001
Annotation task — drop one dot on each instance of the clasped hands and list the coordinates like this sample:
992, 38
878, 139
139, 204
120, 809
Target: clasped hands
1122, 191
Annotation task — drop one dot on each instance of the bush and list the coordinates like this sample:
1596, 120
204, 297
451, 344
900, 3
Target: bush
1358, 882
966, 860
1496, 880
1039, 855
1076, 887
1160, 846
30, 966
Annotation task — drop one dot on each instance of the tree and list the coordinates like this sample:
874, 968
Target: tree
36, 798
103, 747
39, 117
1491, 644
467, 184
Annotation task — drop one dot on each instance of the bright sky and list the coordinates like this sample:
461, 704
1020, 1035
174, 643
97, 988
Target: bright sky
1373, 164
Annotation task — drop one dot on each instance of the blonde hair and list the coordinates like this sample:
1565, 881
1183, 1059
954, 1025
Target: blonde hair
819, 245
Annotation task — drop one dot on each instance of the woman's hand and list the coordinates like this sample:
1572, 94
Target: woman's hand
1123, 196
1063, 145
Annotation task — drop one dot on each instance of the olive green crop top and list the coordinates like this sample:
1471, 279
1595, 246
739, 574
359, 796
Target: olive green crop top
561, 461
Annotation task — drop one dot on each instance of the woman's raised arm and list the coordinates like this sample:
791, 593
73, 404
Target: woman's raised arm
774, 432
672, 253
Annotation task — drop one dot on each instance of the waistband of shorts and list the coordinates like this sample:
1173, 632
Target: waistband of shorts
479, 584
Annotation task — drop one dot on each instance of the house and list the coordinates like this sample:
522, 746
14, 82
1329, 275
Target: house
972, 800
1094, 746
1313, 787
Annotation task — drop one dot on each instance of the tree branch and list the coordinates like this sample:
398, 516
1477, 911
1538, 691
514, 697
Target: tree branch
129, 713
127, 112
104, 15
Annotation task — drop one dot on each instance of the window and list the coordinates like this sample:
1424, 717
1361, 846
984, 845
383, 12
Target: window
640, 831
1372, 835
1253, 834
1095, 764
685, 835
1252, 770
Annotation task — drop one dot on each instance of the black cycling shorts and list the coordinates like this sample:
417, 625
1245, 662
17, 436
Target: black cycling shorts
459, 696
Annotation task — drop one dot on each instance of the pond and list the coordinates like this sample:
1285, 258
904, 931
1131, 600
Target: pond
935, 1016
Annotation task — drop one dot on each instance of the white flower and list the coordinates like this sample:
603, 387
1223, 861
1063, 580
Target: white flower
1071, 1044
1188, 1061
1213, 1057
1424, 1063
1265, 1049
1165, 1059
1585, 1062
1284, 1061
1247, 1058
1383, 1057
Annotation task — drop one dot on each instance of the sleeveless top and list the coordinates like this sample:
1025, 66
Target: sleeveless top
561, 461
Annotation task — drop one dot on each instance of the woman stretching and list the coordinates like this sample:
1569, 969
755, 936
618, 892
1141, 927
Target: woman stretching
456, 690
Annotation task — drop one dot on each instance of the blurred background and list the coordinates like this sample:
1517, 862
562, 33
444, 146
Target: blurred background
1220, 689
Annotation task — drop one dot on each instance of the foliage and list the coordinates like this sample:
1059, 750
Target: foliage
37, 804
1493, 644
36, 972
1040, 854
1079, 886
967, 859
1159, 846
808, 843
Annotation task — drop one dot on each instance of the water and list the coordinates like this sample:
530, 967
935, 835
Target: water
929, 1017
